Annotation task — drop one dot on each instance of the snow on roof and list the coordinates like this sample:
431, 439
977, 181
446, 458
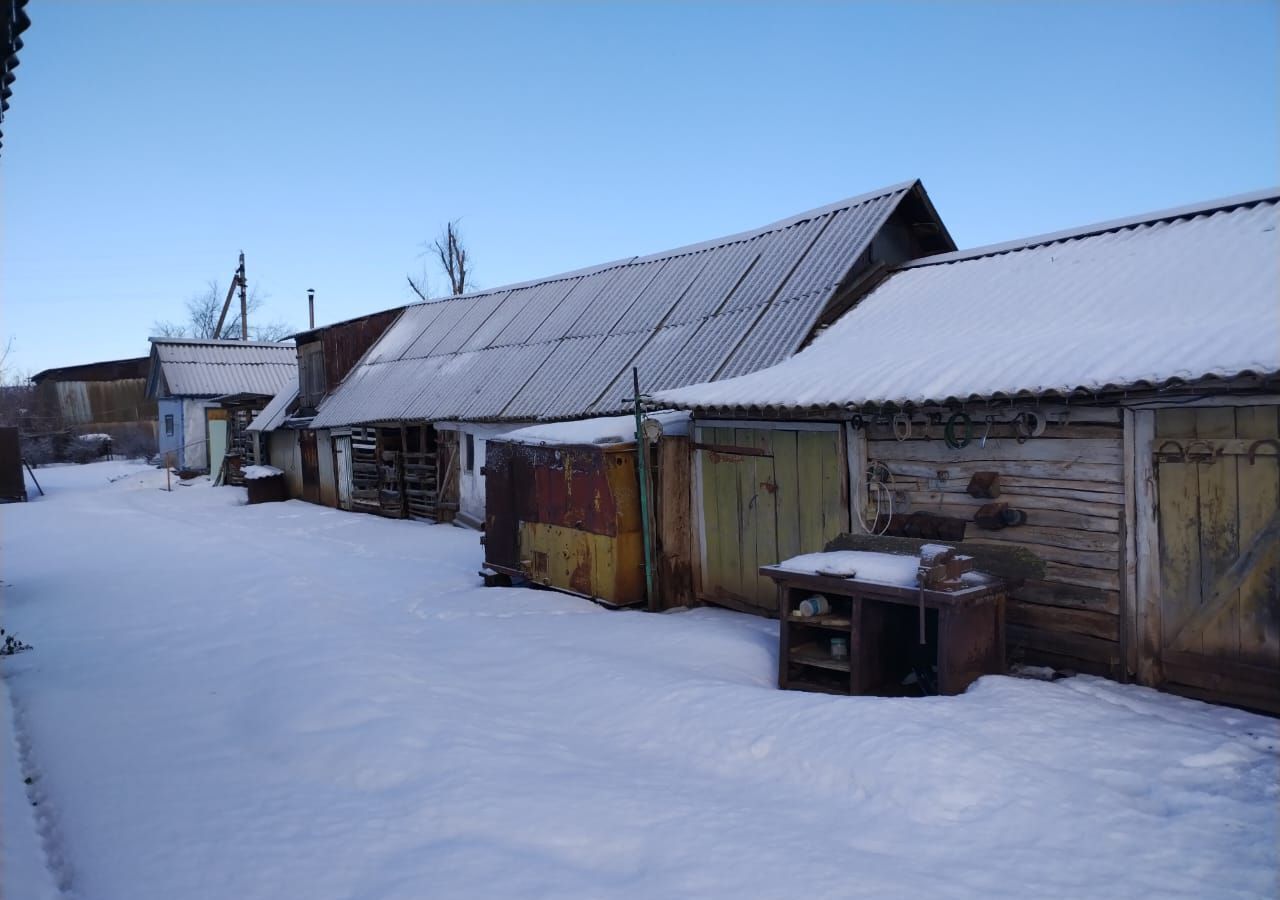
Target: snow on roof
208, 368
1182, 295
273, 415
603, 430
563, 347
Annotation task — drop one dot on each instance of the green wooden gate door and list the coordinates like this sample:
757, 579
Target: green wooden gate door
767, 494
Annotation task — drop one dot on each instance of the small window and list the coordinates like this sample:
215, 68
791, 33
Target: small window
168, 426
470, 457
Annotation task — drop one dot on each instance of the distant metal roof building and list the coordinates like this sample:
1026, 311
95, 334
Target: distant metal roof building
1175, 296
16, 22
184, 367
563, 347
107, 370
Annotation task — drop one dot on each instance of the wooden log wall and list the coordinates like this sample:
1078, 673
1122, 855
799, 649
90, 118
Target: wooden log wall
1070, 483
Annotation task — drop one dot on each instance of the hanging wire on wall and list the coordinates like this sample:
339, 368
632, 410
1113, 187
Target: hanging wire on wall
880, 490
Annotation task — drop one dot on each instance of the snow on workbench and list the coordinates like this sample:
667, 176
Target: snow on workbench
255, 472
368, 721
865, 565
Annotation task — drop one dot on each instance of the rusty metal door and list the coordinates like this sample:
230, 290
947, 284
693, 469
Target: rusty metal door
310, 466
1218, 477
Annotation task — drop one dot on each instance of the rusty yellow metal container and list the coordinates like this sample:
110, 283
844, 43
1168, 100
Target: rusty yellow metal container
566, 516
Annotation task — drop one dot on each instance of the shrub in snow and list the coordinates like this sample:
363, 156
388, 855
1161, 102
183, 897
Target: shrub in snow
133, 442
11, 645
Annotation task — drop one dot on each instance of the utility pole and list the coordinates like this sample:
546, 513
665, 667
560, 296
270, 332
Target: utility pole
238, 280
244, 300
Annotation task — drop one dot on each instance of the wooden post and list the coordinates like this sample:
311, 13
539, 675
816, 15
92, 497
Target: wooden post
1146, 540
33, 477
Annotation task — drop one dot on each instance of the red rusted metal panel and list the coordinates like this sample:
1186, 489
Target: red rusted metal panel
566, 486
12, 485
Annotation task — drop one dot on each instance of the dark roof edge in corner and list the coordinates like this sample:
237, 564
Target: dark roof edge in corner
922, 195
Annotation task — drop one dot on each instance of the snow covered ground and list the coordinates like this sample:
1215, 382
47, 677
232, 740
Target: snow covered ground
283, 700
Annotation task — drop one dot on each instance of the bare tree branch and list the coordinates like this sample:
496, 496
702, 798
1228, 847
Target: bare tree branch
203, 310
420, 291
450, 253
453, 257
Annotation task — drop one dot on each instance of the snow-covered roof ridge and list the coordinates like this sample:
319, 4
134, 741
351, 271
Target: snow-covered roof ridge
1180, 296
220, 342
1206, 207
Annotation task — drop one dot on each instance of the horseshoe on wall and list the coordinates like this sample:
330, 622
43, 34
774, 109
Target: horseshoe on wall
1179, 455
1253, 448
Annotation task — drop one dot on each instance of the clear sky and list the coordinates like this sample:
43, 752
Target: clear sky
149, 143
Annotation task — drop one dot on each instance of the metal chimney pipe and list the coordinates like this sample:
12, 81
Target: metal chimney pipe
311, 306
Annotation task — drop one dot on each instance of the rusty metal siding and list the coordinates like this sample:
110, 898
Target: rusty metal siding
453, 358
13, 485
566, 516
504, 470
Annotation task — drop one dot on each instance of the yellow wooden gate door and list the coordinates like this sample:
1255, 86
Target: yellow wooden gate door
1218, 477
766, 495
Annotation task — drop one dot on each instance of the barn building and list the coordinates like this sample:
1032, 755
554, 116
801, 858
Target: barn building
1107, 398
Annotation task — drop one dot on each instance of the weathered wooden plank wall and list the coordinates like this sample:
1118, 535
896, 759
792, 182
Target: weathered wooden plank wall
1070, 483
1216, 613
675, 535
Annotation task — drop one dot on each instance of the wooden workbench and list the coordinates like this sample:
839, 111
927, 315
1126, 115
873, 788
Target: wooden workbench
965, 632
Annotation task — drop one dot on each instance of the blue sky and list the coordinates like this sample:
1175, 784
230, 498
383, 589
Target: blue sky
149, 143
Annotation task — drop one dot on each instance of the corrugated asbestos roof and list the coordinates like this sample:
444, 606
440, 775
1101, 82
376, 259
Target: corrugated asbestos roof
16, 22
274, 414
563, 347
206, 368
1174, 296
